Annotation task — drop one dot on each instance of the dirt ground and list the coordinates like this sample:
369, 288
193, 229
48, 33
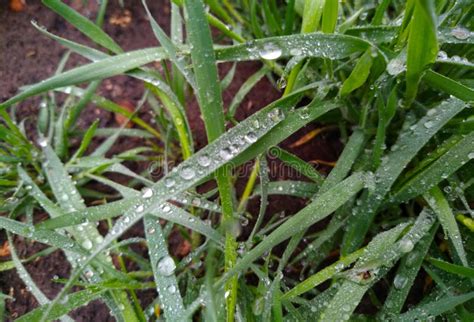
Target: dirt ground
28, 57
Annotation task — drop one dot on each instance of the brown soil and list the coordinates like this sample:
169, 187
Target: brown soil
29, 57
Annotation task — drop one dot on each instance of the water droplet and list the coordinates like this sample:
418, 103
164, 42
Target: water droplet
442, 55
169, 182
166, 208
395, 66
99, 239
412, 259
281, 83
295, 52
139, 209
147, 193
225, 154
461, 33
151, 230
406, 245
172, 289
204, 160
250, 137
226, 294
187, 173
270, 52
428, 124
89, 274
339, 267
87, 244
196, 202
166, 266
43, 142
471, 155
399, 281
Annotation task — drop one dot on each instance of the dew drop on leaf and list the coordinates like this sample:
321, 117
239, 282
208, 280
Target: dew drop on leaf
169, 182
187, 173
87, 244
147, 193
461, 33
270, 52
250, 137
166, 266
225, 154
204, 160
399, 281
428, 124
406, 245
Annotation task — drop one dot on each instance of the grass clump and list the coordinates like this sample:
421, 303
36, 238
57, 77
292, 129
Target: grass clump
395, 78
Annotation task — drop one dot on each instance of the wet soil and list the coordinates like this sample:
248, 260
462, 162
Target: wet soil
28, 57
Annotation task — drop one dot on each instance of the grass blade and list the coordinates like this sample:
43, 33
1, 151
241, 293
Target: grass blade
435, 308
87, 27
409, 145
440, 206
163, 270
422, 46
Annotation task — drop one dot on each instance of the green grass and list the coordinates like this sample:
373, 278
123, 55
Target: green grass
395, 78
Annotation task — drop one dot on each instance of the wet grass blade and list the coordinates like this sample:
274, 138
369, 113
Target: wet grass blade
379, 256
462, 271
330, 46
212, 110
440, 206
163, 266
405, 276
408, 145
245, 89
449, 86
323, 275
298, 164
170, 48
441, 168
74, 301
320, 208
87, 27
98, 70
422, 46
435, 308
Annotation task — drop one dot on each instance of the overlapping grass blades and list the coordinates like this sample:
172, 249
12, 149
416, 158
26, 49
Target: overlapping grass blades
341, 77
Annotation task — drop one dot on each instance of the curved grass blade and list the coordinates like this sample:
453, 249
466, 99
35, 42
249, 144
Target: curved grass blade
359, 74
170, 48
440, 206
85, 51
97, 70
26, 278
87, 27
